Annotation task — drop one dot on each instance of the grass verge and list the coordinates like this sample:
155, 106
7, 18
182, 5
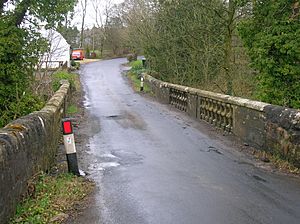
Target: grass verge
135, 76
52, 199
136, 82
58, 76
72, 109
277, 162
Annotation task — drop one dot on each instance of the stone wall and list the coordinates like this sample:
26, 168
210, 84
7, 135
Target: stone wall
267, 127
28, 145
282, 130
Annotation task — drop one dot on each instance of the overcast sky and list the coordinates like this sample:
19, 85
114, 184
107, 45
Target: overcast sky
90, 17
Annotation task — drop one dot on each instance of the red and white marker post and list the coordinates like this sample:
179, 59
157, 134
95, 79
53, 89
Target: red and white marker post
70, 147
142, 84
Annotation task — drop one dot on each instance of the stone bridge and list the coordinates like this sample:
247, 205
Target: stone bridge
29, 144
266, 127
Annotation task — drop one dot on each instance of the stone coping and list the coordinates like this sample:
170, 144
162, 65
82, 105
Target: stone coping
238, 101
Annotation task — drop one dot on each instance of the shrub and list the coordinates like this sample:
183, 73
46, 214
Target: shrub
137, 68
62, 75
26, 104
87, 53
16, 99
132, 57
272, 37
75, 65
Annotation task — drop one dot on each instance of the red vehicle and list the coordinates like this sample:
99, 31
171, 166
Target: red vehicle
78, 54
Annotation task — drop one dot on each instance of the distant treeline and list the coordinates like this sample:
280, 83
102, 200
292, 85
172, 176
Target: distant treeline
244, 48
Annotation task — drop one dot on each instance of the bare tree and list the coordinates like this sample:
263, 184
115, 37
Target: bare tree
83, 4
102, 9
97, 6
138, 16
54, 57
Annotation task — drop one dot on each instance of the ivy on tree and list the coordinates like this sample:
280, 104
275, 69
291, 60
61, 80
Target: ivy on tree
272, 37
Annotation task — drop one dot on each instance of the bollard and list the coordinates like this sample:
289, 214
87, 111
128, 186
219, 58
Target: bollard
142, 83
69, 143
144, 61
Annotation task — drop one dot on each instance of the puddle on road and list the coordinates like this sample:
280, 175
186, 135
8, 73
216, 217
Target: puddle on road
244, 163
82, 173
128, 120
128, 158
109, 164
86, 102
103, 166
109, 155
213, 149
114, 117
95, 167
87, 106
259, 178
113, 159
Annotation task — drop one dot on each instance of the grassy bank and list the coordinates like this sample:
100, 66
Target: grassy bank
74, 81
52, 198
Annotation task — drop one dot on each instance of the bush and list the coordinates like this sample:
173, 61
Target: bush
87, 53
16, 99
75, 64
131, 57
62, 75
137, 68
26, 104
272, 37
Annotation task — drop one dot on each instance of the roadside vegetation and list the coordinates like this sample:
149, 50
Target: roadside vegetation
63, 75
35, 97
25, 87
72, 109
135, 75
74, 81
242, 48
75, 65
56, 196
276, 160
52, 198
21, 46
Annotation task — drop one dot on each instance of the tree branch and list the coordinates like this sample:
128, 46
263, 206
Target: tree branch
20, 12
2, 2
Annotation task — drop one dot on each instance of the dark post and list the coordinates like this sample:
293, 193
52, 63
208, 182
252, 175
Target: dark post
144, 61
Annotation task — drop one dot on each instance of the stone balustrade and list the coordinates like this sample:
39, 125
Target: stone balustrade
216, 112
178, 98
267, 127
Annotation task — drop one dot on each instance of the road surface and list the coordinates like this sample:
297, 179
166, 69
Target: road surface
153, 164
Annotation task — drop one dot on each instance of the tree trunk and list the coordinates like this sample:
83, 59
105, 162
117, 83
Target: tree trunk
84, 5
228, 46
20, 12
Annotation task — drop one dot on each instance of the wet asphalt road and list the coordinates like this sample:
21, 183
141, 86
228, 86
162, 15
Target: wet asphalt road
152, 164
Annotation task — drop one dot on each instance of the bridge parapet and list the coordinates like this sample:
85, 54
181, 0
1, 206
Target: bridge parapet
28, 145
264, 126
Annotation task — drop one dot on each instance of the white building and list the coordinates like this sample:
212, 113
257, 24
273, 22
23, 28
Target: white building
59, 51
